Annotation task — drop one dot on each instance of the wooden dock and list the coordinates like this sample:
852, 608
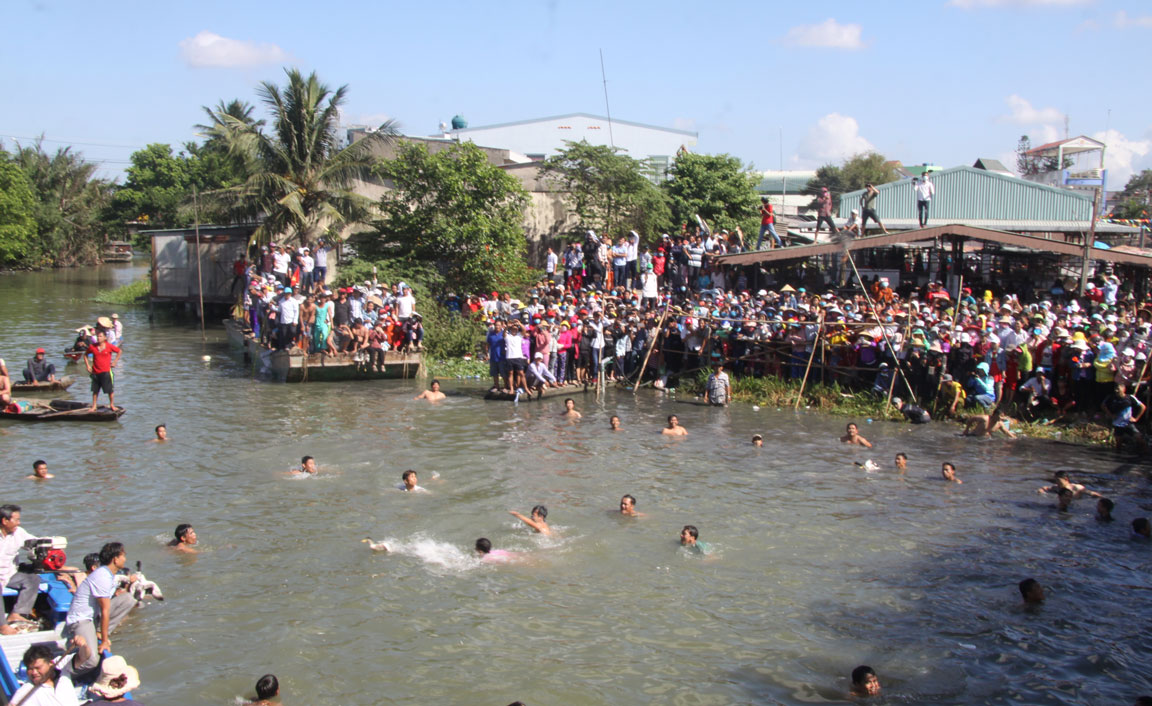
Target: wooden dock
297, 366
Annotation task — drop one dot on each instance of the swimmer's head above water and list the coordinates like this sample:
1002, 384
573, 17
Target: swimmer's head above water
689, 535
1031, 591
628, 505
757, 440
614, 423
308, 465
864, 681
483, 545
901, 460
410, 479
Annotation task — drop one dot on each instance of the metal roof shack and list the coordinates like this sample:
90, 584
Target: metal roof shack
176, 276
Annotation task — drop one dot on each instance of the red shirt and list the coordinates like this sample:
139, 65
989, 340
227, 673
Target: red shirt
766, 215
102, 359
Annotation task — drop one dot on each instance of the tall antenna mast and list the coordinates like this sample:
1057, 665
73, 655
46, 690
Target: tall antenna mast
604, 76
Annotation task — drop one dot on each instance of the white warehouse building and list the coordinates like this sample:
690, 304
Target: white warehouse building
544, 137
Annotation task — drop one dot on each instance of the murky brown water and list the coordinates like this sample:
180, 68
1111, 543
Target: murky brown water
817, 566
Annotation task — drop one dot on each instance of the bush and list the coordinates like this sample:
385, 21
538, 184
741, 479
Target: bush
134, 293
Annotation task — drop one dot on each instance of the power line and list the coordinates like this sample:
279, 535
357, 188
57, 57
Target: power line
72, 142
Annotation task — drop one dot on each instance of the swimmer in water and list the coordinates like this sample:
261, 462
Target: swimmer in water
570, 409
988, 424
901, 461
628, 506
1031, 591
1062, 481
614, 423
948, 473
432, 394
1141, 528
161, 434
408, 483
487, 553
1104, 507
864, 681
40, 471
307, 467
536, 521
690, 540
852, 436
757, 440
674, 428
185, 540
267, 688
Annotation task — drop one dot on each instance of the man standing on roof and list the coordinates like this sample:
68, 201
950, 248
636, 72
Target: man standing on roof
868, 209
767, 223
925, 190
824, 211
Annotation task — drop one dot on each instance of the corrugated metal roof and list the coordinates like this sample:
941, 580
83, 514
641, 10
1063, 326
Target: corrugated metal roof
776, 183
967, 194
1010, 225
876, 241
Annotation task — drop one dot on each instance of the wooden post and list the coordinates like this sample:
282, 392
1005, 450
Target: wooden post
876, 313
815, 344
896, 361
1089, 241
652, 345
199, 267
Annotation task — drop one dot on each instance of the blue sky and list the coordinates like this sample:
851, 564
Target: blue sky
940, 81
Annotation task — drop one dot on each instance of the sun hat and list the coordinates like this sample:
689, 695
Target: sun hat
115, 316
104, 322
112, 669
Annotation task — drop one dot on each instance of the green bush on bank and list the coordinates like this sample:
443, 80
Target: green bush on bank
134, 293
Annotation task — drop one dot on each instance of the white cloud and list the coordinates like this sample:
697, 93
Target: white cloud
208, 49
832, 139
1021, 112
829, 34
1123, 157
1123, 21
970, 4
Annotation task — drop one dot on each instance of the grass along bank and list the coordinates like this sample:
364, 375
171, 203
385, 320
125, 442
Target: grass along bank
129, 294
832, 399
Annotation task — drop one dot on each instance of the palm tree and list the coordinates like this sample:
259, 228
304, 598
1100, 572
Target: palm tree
301, 182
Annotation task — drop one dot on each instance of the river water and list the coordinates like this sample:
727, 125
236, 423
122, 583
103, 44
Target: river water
817, 566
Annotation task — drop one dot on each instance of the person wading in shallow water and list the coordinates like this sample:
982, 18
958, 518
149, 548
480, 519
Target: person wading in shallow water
674, 428
852, 436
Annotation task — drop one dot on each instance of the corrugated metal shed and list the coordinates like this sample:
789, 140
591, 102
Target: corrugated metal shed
1009, 225
175, 275
966, 194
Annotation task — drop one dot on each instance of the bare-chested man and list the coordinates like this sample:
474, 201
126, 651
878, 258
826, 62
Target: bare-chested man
614, 423
570, 409
40, 471
307, 468
987, 424
185, 540
432, 394
536, 521
948, 473
628, 506
674, 428
1062, 481
852, 436
161, 434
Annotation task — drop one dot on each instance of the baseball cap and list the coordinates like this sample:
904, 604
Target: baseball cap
41, 350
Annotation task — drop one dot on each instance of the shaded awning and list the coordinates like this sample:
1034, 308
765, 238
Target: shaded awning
1032, 242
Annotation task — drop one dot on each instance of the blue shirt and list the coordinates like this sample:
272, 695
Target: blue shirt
496, 346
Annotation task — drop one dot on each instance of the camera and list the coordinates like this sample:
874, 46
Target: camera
44, 554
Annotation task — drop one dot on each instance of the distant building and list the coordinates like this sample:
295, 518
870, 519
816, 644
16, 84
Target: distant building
1076, 163
784, 189
992, 165
541, 138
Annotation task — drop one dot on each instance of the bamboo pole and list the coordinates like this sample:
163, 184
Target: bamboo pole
815, 344
651, 346
876, 313
199, 266
896, 360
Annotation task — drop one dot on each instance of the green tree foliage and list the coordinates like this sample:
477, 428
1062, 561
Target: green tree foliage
1136, 197
455, 209
17, 206
158, 182
854, 174
717, 187
1030, 165
70, 202
301, 182
609, 191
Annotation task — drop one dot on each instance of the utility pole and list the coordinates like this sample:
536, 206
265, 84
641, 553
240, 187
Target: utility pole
1089, 241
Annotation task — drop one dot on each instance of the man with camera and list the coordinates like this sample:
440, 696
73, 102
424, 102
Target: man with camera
13, 538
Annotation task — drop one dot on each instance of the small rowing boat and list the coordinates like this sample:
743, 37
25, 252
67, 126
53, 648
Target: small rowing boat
57, 385
73, 355
62, 411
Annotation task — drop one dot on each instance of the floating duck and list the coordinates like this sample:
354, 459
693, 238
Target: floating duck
375, 546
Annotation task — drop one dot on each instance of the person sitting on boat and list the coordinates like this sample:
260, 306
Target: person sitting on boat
116, 679
13, 537
98, 607
46, 685
5, 386
38, 369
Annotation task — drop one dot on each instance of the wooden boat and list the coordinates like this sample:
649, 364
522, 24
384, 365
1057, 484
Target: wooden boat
73, 355
58, 385
64, 411
117, 251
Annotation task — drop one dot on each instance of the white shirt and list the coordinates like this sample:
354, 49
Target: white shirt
925, 190
308, 263
648, 280
631, 242
289, 310
10, 546
513, 346
99, 584
550, 263
1038, 389
63, 693
280, 262
405, 306
322, 256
